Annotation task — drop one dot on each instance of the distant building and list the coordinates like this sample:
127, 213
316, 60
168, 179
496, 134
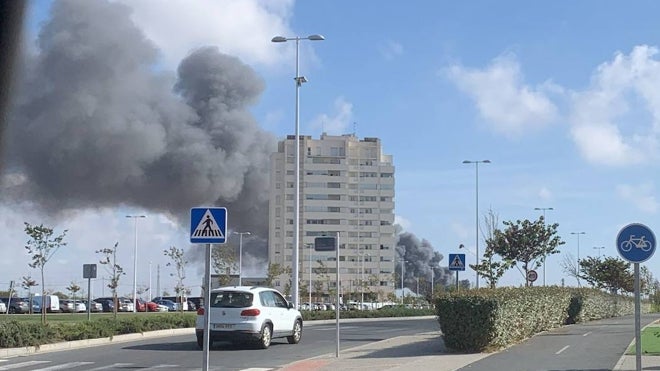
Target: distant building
346, 186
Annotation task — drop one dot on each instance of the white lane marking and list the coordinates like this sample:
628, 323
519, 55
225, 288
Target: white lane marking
563, 349
65, 366
110, 367
22, 364
587, 334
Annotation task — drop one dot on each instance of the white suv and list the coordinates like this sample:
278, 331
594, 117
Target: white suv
254, 314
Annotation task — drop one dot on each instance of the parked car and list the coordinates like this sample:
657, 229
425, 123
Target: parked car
3, 307
72, 306
93, 306
140, 305
52, 303
176, 299
106, 304
171, 306
123, 304
254, 314
16, 305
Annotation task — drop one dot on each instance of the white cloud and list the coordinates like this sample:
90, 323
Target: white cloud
338, 122
461, 231
391, 49
501, 96
639, 195
617, 120
403, 222
545, 193
240, 28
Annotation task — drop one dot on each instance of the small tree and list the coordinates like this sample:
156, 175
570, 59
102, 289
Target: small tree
274, 270
179, 263
223, 261
526, 242
109, 260
612, 274
42, 245
28, 283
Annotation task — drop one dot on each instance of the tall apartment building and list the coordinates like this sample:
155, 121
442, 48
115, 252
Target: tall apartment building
346, 186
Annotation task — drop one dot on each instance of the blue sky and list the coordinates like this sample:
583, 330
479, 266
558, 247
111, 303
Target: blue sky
562, 98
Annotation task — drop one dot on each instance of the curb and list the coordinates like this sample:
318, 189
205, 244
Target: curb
622, 359
67, 345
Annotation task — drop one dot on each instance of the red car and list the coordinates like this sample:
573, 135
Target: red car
149, 306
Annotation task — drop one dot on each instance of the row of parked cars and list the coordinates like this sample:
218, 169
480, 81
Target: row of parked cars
53, 303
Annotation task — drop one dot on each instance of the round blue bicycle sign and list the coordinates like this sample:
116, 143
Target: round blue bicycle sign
636, 243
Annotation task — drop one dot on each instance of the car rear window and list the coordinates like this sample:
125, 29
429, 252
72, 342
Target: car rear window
231, 299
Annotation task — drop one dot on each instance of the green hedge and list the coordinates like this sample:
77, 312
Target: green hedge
21, 333
378, 313
478, 320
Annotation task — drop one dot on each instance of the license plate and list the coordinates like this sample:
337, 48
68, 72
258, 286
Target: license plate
222, 325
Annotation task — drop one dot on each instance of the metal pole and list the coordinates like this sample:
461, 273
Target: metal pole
432, 278
457, 288
150, 288
337, 302
402, 267
296, 221
240, 259
89, 299
638, 335
477, 220
362, 284
310, 278
135, 268
207, 309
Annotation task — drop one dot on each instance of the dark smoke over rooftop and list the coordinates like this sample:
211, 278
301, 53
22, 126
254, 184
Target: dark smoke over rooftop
98, 125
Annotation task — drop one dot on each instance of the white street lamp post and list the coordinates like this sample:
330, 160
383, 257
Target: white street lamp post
296, 234
135, 218
240, 256
578, 255
403, 266
544, 209
476, 166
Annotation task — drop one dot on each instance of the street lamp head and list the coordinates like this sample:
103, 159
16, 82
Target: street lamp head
278, 39
461, 246
467, 161
316, 37
486, 161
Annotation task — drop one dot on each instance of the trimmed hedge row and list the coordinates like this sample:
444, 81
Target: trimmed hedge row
486, 319
22, 334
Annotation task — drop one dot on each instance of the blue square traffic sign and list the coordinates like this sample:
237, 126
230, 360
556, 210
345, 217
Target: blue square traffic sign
208, 225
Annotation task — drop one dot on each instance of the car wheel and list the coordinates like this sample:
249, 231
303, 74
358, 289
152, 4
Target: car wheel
200, 341
297, 333
265, 337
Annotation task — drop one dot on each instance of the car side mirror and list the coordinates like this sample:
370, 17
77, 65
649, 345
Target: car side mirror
290, 305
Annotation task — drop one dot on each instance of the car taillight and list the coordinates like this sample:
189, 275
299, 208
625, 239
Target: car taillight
200, 311
250, 312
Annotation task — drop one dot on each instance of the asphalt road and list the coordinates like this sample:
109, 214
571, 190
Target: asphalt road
182, 353
594, 346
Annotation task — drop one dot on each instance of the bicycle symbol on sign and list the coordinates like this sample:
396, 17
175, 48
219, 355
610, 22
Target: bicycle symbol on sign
640, 243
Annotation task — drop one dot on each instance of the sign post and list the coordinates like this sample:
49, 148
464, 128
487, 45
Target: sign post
636, 244
331, 244
457, 263
89, 272
208, 225
532, 276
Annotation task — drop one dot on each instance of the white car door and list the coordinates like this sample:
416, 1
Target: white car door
285, 315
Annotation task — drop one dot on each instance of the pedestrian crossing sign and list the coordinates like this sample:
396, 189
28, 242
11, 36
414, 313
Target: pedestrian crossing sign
208, 225
456, 262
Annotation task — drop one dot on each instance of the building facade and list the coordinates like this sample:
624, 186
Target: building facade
346, 187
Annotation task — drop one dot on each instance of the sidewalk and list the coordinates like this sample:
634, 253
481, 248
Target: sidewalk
419, 352
422, 352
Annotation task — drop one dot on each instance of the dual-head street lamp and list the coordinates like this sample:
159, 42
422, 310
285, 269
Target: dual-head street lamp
296, 223
476, 165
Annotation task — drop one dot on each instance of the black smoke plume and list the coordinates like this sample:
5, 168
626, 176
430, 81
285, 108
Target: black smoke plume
99, 123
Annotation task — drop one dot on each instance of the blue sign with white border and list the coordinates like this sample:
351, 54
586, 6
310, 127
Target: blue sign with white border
208, 225
636, 243
456, 262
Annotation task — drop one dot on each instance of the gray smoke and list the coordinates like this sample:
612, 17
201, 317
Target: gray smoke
420, 259
98, 125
